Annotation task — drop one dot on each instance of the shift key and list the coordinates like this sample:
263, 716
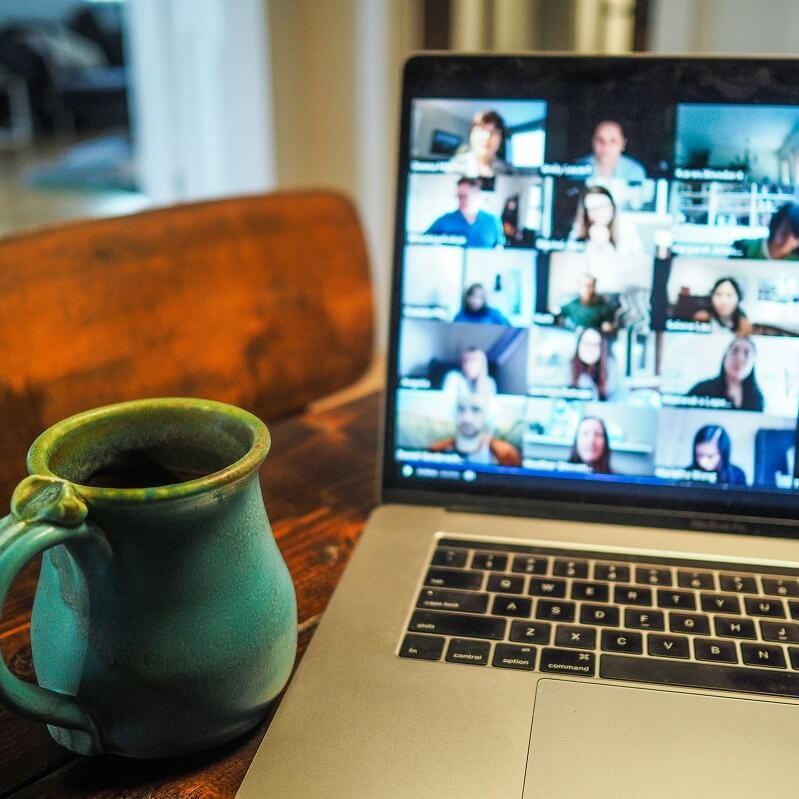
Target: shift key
428, 621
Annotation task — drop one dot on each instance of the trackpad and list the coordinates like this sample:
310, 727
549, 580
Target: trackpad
599, 741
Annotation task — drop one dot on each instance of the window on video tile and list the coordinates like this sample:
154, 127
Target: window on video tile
458, 358
455, 210
586, 364
610, 220
466, 427
606, 294
472, 286
736, 175
736, 296
589, 438
726, 448
478, 138
727, 372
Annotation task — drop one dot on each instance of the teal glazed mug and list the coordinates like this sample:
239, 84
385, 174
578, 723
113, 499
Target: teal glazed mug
165, 618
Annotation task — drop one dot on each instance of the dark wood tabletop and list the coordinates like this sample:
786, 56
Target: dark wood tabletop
319, 484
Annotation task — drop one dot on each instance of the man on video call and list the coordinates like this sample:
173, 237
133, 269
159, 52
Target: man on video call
782, 243
473, 440
607, 156
588, 309
480, 228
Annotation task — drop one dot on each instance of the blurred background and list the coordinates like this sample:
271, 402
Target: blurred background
111, 106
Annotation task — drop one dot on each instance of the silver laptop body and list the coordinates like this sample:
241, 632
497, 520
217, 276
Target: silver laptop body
584, 578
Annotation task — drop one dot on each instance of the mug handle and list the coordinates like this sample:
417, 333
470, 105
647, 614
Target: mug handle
45, 512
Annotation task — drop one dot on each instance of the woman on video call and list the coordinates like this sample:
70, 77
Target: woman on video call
598, 224
736, 381
480, 158
712, 451
472, 377
475, 309
725, 311
593, 367
591, 445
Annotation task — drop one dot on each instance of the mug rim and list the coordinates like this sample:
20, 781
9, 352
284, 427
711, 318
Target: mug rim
38, 459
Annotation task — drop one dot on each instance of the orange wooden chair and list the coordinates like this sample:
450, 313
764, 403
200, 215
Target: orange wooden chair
261, 301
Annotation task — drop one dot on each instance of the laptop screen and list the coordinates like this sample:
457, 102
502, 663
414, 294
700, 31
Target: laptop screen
596, 289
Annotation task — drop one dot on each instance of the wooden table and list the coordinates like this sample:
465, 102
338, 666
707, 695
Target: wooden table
319, 484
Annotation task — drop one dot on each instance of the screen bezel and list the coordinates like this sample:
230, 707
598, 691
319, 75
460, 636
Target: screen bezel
510, 77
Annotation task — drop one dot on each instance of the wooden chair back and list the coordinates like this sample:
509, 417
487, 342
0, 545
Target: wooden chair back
261, 301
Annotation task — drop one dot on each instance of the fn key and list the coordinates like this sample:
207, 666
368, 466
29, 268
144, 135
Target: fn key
422, 647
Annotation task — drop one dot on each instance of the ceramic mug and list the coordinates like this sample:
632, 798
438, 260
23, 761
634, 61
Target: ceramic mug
165, 619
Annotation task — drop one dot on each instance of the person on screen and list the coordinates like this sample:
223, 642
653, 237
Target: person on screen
725, 308
736, 381
588, 309
593, 367
480, 157
712, 451
599, 225
480, 228
607, 154
473, 439
591, 445
472, 377
783, 237
476, 310
510, 220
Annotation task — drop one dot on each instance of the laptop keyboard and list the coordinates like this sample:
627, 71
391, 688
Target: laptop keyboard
700, 624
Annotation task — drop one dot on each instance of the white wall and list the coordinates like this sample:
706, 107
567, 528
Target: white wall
724, 26
202, 106
336, 78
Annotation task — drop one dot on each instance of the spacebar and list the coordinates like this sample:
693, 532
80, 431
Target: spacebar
699, 675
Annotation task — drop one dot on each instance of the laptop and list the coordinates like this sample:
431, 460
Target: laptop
583, 579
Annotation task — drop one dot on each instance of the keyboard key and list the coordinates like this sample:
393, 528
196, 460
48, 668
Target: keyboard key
780, 586
490, 562
612, 572
436, 599
669, 646
681, 600
422, 647
651, 576
735, 628
593, 592
508, 656
605, 615
693, 623
461, 650
570, 568
721, 603
512, 606
738, 583
575, 637
715, 651
554, 611
530, 565
712, 676
632, 596
505, 583
530, 632
539, 587
687, 579
793, 609
763, 655
454, 558
445, 578
565, 661
779, 631
644, 619
793, 654
468, 626
622, 641
765, 607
